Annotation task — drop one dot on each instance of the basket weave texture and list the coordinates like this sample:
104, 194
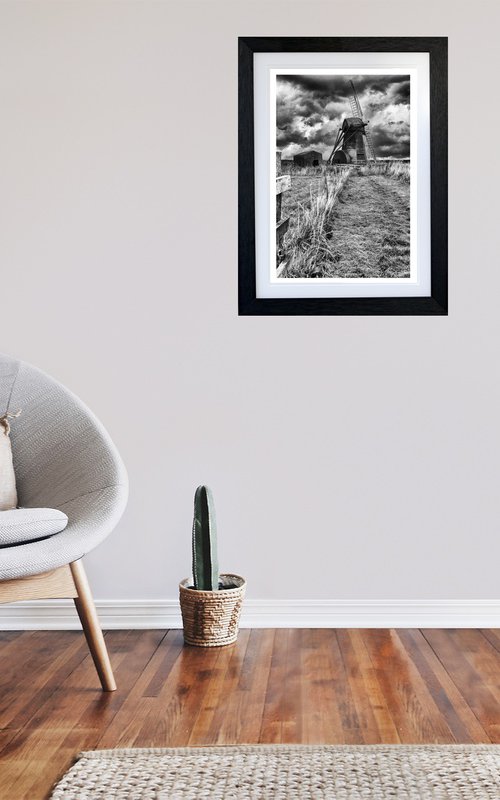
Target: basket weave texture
282, 772
210, 619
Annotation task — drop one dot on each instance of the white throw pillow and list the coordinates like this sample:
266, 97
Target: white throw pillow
21, 525
8, 493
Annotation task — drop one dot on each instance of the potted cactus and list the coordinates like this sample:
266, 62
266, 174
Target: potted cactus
211, 603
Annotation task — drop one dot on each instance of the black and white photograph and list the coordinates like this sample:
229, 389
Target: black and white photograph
343, 176
342, 190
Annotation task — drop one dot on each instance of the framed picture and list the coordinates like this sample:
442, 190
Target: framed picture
343, 198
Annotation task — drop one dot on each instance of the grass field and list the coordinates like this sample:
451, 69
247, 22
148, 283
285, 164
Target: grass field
349, 223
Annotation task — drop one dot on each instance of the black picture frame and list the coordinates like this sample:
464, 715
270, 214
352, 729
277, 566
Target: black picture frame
437, 302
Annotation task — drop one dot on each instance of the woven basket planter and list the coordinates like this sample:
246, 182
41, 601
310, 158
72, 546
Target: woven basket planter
210, 619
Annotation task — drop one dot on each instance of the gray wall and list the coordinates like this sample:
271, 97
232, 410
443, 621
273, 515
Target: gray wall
350, 458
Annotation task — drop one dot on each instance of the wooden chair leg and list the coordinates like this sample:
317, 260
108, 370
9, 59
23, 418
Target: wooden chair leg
84, 603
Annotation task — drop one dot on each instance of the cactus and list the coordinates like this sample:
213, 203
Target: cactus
205, 561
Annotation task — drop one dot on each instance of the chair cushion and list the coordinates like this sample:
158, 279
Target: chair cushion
8, 494
21, 525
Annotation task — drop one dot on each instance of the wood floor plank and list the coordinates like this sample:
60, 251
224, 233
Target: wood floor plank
459, 717
170, 653
375, 721
473, 685
256, 669
270, 730
339, 696
328, 712
346, 686
21, 701
482, 657
413, 709
292, 707
22, 665
227, 721
194, 674
493, 637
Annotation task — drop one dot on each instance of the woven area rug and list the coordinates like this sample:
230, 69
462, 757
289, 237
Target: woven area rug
287, 772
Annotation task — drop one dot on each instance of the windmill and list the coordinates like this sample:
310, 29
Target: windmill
353, 144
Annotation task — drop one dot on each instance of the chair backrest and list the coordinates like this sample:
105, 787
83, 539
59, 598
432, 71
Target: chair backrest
61, 451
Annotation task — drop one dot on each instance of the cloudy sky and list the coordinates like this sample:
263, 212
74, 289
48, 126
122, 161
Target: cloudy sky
309, 109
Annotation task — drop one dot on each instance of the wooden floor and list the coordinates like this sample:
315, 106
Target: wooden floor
330, 686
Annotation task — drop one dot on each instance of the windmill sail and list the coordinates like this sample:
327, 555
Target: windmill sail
355, 105
357, 112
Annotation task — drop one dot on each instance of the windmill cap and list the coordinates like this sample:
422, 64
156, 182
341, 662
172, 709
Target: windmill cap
353, 122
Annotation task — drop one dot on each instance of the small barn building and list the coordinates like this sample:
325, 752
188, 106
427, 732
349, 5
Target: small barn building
308, 158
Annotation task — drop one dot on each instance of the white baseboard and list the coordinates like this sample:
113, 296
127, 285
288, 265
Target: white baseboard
138, 614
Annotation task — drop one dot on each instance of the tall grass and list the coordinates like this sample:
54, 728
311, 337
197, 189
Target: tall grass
307, 244
289, 168
393, 169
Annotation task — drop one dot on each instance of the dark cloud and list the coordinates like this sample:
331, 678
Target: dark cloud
310, 109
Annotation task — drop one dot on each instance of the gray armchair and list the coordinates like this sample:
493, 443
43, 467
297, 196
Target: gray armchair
63, 459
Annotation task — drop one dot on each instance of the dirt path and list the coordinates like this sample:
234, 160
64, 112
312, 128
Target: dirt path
369, 229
